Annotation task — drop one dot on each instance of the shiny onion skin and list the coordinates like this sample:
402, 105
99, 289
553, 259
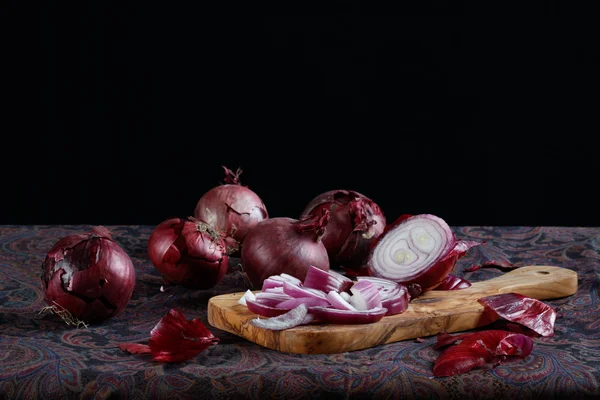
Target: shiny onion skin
356, 222
232, 209
188, 252
417, 249
89, 275
284, 245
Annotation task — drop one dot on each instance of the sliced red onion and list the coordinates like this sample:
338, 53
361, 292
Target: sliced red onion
263, 309
345, 295
286, 320
297, 291
339, 302
249, 294
453, 282
394, 296
278, 289
326, 281
419, 249
365, 296
271, 299
335, 316
307, 301
277, 281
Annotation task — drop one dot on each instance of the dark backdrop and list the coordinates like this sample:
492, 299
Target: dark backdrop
125, 116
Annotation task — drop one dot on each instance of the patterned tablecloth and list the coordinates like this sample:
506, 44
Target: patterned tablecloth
42, 357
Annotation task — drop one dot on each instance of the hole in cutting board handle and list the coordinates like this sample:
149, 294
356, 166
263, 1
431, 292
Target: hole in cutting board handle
543, 272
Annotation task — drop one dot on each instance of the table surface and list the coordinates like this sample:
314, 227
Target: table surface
42, 357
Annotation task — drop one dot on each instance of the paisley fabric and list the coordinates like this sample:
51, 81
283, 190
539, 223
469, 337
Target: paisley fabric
42, 357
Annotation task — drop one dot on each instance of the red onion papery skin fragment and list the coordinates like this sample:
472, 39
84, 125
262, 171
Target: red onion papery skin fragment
532, 313
453, 282
89, 275
284, 245
478, 349
356, 222
174, 339
188, 252
404, 242
231, 209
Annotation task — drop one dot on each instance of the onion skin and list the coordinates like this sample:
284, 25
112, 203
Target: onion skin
356, 222
232, 209
89, 275
434, 273
284, 245
188, 252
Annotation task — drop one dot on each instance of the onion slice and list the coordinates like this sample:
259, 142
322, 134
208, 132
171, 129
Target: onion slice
286, 320
262, 309
326, 281
339, 302
333, 315
394, 296
365, 296
307, 301
297, 291
419, 249
249, 294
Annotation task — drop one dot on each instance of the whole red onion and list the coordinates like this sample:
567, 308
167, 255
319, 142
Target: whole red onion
356, 221
284, 245
89, 275
189, 252
232, 209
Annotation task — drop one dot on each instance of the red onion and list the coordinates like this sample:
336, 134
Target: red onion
188, 252
231, 209
88, 275
356, 222
284, 245
417, 249
394, 296
365, 296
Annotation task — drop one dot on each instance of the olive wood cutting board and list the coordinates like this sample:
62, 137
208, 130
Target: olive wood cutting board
427, 315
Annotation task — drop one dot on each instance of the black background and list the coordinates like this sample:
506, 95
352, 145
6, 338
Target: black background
125, 115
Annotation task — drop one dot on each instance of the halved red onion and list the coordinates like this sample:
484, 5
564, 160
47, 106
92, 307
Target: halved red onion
419, 249
263, 309
288, 319
307, 301
326, 281
453, 282
336, 316
297, 291
339, 302
365, 296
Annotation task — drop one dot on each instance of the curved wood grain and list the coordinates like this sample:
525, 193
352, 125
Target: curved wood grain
431, 313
